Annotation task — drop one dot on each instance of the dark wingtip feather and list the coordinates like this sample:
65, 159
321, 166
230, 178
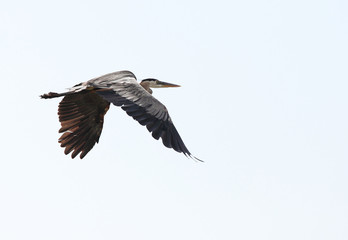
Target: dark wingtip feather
196, 159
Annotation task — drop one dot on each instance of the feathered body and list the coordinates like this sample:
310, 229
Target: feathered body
81, 112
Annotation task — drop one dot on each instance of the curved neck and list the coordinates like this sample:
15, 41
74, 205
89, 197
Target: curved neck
146, 86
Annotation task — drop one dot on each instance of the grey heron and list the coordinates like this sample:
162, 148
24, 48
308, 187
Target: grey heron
82, 109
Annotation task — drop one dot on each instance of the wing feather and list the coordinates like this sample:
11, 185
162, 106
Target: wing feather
81, 116
144, 108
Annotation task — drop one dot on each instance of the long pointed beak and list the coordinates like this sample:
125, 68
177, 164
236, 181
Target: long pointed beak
160, 84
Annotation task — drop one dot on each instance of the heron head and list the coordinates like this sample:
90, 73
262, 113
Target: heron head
154, 83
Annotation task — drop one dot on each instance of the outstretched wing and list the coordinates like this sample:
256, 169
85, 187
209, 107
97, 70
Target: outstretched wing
81, 115
143, 107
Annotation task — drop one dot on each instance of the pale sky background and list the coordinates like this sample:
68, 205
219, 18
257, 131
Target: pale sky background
263, 101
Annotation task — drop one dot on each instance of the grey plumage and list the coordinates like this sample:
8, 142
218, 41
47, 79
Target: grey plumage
82, 110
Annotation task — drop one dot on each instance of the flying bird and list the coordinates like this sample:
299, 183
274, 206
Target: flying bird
81, 112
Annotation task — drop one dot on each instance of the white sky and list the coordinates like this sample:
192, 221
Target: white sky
263, 102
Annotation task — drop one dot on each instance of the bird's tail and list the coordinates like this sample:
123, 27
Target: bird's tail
53, 95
